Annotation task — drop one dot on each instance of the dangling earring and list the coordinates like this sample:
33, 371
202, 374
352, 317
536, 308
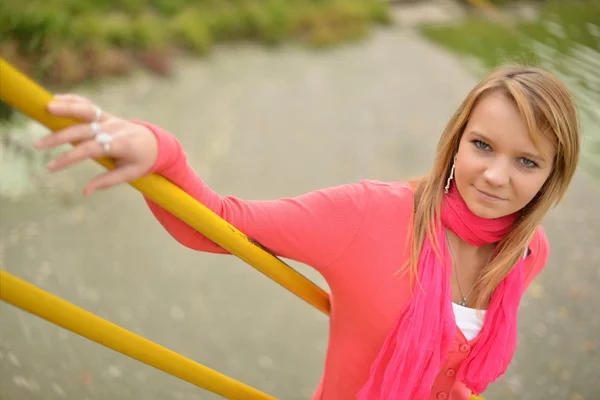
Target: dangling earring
451, 175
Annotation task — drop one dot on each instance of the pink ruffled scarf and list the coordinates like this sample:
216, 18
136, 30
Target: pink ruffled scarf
416, 346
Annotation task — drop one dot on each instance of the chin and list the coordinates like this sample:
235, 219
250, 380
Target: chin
486, 212
481, 206
484, 209
481, 211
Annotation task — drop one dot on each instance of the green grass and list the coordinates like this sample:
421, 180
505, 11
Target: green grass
563, 29
489, 43
493, 44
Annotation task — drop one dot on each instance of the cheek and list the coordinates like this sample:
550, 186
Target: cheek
527, 186
468, 166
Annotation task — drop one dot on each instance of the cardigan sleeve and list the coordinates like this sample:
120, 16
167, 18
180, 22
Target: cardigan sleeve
540, 252
314, 228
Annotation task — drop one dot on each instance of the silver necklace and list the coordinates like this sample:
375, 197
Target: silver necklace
463, 302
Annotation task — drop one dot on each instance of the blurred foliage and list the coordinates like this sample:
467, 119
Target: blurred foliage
564, 39
64, 42
560, 25
503, 2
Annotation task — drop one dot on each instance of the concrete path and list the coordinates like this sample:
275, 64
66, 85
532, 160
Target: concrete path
262, 124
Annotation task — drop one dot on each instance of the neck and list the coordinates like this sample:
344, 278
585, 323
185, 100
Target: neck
464, 249
472, 229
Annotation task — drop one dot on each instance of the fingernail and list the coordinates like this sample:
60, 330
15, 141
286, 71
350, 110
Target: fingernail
52, 106
51, 164
38, 144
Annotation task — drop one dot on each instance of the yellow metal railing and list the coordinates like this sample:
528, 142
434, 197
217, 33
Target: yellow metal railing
62, 313
20, 92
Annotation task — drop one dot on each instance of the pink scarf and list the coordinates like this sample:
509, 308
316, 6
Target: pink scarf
416, 346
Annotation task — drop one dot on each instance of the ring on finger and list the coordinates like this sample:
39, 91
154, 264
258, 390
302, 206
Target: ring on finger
98, 112
104, 139
95, 128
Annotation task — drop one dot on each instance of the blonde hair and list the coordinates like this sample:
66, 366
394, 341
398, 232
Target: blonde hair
548, 109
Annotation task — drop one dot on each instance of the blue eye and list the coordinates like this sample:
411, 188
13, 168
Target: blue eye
528, 163
481, 145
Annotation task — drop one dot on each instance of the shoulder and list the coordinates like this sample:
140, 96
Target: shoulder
396, 193
390, 206
364, 195
376, 194
537, 257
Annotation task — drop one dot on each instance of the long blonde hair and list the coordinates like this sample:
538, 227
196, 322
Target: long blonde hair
548, 109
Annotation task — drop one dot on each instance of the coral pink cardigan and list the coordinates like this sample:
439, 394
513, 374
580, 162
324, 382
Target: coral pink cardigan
355, 236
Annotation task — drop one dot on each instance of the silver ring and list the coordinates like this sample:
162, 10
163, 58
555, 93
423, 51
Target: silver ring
105, 140
98, 111
95, 128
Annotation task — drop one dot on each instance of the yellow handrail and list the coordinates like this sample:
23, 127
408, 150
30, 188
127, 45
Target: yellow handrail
22, 93
62, 313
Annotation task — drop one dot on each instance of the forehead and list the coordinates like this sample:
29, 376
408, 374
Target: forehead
498, 118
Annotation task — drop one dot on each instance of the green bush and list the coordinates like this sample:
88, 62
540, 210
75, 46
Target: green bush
151, 25
67, 41
269, 22
191, 29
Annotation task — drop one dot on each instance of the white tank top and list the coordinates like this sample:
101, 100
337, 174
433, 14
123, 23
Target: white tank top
468, 320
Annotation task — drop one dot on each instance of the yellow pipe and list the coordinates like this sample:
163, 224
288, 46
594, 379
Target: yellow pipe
20, 92
32, 299
23, 94
62, 313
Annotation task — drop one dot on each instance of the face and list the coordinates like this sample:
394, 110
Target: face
498, 168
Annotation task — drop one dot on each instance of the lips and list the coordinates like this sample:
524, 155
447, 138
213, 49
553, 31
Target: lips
490, 195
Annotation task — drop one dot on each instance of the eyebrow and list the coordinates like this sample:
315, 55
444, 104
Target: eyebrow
525, 154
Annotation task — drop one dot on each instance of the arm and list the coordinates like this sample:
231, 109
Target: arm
540, 249
314, 228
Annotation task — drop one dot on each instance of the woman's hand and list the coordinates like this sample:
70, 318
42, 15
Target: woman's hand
132, 147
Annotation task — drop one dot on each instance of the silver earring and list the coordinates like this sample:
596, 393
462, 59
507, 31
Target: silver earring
451, 175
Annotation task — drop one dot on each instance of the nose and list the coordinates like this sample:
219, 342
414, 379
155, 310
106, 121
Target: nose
497, 173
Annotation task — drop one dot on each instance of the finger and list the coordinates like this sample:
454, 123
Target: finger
71, 134
71, 98
112, 178
83, 151
75, 133
83, 111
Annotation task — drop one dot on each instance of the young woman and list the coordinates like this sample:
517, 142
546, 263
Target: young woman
426, 276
